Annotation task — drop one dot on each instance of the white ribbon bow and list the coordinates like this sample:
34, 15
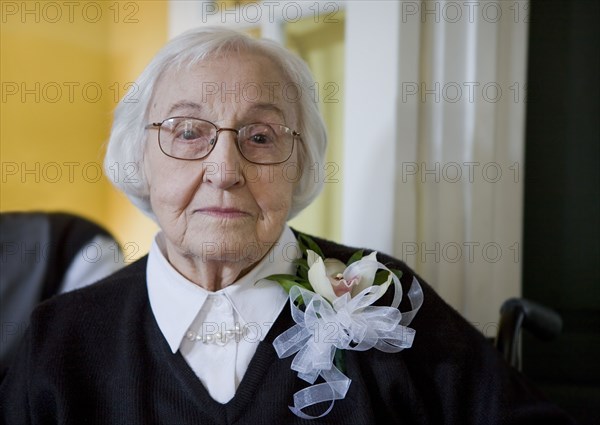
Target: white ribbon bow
350, 324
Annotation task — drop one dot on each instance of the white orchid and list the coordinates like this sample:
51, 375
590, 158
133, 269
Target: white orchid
330, 278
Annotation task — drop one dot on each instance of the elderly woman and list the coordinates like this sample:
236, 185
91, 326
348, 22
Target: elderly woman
194, 333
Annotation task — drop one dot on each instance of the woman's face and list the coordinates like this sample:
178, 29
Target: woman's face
221, 207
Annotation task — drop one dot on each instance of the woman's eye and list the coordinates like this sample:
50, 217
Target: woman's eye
259, 139
189, 135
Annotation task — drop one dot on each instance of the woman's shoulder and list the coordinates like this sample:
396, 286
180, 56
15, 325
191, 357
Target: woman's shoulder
126, 287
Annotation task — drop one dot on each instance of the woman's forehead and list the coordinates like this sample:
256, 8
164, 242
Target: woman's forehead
238, 77
250, 82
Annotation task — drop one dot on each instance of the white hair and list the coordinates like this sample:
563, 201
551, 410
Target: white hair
126, 144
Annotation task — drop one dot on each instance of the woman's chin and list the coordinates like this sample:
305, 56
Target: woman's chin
234, 245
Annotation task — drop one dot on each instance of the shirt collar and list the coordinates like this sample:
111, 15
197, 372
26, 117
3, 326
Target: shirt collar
176, 301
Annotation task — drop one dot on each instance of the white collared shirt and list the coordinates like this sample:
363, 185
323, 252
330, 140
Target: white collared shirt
202, 324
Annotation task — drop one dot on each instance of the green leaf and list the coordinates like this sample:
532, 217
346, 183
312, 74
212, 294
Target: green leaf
355, 257
397, 272
288, 280
310, 244
301, 245
301, 268
301, 262
380, 277
279, 277
302, 273
288, 284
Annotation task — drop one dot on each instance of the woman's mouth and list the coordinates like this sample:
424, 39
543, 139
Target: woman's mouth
221, 212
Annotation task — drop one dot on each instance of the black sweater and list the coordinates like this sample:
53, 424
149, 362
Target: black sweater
97, 356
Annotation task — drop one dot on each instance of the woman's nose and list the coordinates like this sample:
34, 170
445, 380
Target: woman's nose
223, 166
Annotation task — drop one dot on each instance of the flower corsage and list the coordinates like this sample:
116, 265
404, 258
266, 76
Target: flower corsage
332, 305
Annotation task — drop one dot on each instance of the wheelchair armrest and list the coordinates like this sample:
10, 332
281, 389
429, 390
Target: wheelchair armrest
518, 313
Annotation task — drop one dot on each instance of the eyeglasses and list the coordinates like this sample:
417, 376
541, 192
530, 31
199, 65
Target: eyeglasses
192, 138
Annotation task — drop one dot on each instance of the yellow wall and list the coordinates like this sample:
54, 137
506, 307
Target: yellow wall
62, 72
321, 45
